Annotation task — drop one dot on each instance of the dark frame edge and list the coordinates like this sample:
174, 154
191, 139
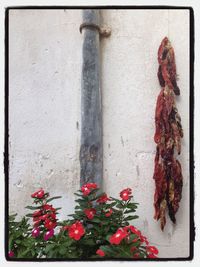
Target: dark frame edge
102, 7
6, 131
191, 111
191, 143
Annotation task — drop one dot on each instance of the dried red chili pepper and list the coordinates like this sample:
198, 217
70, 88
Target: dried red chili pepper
167, 173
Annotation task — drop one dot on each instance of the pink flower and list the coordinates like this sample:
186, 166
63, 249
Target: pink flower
35, 232
11, 254
151, 256
126, 194
100, 252
48, 234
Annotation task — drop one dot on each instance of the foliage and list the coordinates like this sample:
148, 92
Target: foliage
99, 227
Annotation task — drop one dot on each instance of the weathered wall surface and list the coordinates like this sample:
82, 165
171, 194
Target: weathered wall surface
45, 74
45, 67
130, 88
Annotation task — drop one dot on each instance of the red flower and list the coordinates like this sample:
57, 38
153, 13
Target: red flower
35, 232
100, 252
152, 250
90, 213
76, 230
37, 223
134, 230
135, 240
53, 216
103, 199
133, 249
48, 207
38, 194
118, 236
65, 228
35, 219
37, 213
109, 213
48, 234
86, 191
126, 194
151, 256
136, 255
91, 185
48, 215
144, 239
44, 217
48, 224
86, 188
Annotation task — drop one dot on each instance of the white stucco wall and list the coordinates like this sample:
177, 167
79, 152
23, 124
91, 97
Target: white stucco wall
45, 73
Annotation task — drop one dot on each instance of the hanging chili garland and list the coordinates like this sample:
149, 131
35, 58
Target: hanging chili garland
167, 173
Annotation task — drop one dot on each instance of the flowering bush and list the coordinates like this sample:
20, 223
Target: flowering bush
100, 228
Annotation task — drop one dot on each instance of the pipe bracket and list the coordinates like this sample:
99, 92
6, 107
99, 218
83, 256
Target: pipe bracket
104, 31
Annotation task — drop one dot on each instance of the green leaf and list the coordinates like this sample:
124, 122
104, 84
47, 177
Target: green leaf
129, 218
58, 209
50, 247
12, 217
79, 195
107, 249
52, 198
74, 216
81, 201
111, 205
11, 238
18, 241
63, 250
129, 211
108, 237
119, 206
132, 205
33, 253
32, 208
132, 237
29, 215
135, 244
89, 242
96, 220
77, 208
117, 200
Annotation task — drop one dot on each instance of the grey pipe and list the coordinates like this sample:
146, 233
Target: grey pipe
91, 163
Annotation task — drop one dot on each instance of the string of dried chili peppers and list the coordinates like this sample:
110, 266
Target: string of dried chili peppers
167, 173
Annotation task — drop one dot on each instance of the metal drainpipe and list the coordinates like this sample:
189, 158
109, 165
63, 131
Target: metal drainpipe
91, 150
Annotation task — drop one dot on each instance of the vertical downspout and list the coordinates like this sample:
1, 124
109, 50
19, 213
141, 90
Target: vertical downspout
91, 150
